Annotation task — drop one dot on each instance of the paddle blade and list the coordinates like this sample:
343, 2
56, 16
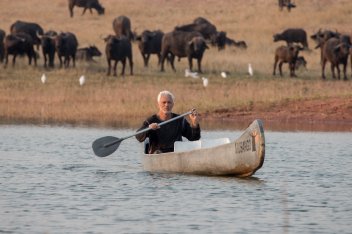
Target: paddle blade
105, 146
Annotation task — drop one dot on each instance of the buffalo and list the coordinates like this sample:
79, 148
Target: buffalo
335, 52
86, 4
300, 62
2, 48
122, 27
238, 44
48, 47
87, 53
19, 44
286, 54
321, 37
292, 35
286, 3
207, 30
32, 29
118, 49
149, 42
66, 46
183, 44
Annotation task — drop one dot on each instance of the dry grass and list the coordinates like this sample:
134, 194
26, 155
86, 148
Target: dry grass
107, 100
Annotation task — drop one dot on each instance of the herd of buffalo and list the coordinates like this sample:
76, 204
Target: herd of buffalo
190, 41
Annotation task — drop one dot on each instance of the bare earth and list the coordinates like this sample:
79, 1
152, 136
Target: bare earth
327, 114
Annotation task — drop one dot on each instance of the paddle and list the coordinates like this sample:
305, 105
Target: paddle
105, 146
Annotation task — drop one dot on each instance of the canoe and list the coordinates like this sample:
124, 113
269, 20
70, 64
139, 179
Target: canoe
241, 157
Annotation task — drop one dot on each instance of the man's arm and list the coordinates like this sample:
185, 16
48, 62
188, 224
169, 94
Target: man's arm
141, 137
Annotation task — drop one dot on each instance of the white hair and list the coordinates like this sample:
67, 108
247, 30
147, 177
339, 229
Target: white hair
166, 93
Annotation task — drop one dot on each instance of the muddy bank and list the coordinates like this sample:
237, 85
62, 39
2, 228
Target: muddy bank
331, 114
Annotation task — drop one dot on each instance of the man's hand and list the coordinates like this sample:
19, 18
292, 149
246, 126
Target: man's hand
194, 117
154, 126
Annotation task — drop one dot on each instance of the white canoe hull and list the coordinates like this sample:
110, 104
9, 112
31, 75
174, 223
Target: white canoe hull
242, 158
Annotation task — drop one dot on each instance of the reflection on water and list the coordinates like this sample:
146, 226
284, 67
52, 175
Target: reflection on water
52, 183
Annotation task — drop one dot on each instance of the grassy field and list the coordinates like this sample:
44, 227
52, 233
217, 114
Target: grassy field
114, 101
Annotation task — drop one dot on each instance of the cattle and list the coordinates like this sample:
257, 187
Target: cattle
201, 20
208, 31
300, 62
238, 44
286, 3
183, 44
30, 28
292, 35
122, 27
19, 44
66, 46
149, 42
86, 4
87, 53
321, 37
2, 48
48, 47
286, 54
118, 49
335, 52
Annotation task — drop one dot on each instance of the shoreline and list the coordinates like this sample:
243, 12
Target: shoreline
330, 114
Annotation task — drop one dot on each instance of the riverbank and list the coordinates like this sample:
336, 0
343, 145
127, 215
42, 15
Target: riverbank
330, 114
230, 103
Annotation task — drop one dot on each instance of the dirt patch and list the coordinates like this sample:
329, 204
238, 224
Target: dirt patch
330, 111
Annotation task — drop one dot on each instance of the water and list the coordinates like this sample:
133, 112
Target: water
52, 183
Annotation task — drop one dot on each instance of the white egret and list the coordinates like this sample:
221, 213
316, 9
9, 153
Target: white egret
223, 74
188, 73
205, 81
43, 78
82, 80
250, 69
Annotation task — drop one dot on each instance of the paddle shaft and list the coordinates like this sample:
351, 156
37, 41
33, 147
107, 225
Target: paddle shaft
147, 129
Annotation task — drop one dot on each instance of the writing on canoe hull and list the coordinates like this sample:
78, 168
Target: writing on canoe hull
246, 145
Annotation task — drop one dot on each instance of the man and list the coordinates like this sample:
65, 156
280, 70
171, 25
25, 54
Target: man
162, 139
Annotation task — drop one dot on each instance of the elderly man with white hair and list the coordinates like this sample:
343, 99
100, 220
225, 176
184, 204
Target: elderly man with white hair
162, 139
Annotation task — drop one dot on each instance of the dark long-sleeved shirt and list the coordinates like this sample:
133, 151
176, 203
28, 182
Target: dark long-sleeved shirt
163, 139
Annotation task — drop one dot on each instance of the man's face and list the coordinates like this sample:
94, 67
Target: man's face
166, 104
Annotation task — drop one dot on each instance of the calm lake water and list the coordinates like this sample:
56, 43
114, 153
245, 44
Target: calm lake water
52, 183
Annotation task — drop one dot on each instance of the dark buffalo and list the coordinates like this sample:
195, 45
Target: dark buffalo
30, 28
149, 42
87, 53
86, 4
201, 20
300, 62
321, 37
66, 46
183, 44
118, 49
2, 48
208, 31
286, 3
335, 52
19, 44
286, 54
292, 35
122, 27
238, 44
48, 47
